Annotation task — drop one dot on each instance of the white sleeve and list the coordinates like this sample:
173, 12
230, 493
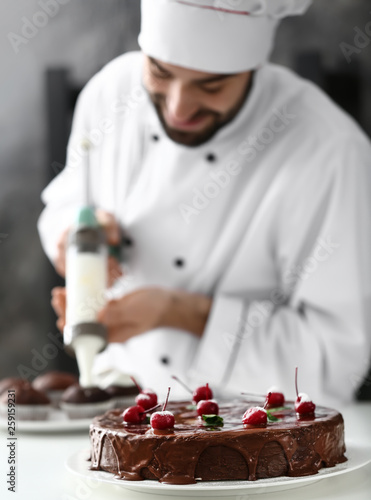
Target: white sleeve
324, 326
65, 193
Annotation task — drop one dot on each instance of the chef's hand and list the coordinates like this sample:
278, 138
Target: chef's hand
59, 305
113, 235
150, 308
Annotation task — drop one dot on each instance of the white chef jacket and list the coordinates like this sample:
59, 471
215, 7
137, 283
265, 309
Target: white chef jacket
271, 217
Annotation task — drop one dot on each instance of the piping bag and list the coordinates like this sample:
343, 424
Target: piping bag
86, 284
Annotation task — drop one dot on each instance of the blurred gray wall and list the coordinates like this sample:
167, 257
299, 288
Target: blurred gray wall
83, 35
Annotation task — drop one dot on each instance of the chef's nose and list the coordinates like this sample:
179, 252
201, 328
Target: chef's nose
180, 102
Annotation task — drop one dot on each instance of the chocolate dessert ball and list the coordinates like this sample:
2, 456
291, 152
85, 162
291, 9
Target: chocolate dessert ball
122, 395
26, 395
30, 404
12, 383
122, 390
54, 381
77, 394
85, 402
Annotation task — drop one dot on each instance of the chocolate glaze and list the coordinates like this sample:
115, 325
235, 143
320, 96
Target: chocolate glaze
191, 451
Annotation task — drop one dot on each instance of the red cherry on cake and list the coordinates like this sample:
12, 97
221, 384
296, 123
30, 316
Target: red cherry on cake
257, 415
303, 403
161, 420
151, 394
202, 392
134, 415
146, 398
207, 406
276, 398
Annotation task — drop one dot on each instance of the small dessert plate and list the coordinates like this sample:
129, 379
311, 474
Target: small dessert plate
57, 421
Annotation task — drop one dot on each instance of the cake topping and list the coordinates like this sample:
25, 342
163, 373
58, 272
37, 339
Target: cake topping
303, 403
257, 415
207, 406
137, 414
134, 415
201, 393
161, 420
213, 420
276, 398
146, 398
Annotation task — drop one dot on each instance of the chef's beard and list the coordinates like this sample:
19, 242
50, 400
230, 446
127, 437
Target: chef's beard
193, 139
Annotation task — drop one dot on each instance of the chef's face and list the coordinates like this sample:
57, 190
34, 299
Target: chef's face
192, 106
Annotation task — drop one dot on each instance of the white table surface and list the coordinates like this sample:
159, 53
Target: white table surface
42, 474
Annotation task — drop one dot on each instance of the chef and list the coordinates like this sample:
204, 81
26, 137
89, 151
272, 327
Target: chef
241, 195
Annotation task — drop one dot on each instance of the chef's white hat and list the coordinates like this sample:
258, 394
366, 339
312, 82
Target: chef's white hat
216, 36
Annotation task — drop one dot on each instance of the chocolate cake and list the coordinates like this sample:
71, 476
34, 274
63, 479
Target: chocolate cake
193, 451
